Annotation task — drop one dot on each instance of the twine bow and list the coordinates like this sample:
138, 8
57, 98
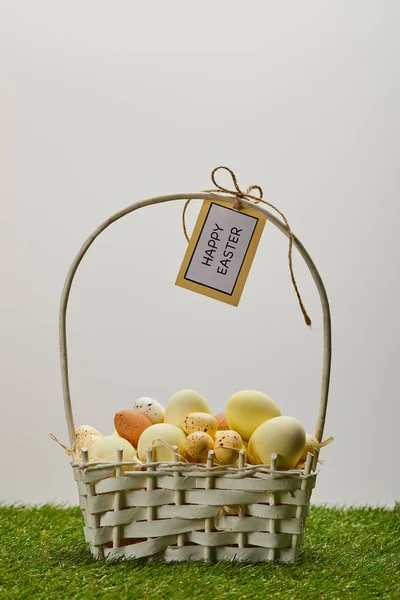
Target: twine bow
241, 195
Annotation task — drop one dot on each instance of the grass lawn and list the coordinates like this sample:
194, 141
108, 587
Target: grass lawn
352, 553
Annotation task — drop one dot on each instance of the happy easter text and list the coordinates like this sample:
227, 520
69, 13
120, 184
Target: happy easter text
227, 252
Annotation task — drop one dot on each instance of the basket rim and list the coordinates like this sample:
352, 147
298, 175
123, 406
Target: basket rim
197, 469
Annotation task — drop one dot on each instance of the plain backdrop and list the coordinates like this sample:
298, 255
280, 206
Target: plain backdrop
106, 103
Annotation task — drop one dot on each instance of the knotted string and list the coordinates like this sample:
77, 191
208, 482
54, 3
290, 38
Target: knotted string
240, 195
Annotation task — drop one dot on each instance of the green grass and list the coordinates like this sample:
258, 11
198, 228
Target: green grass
352, 553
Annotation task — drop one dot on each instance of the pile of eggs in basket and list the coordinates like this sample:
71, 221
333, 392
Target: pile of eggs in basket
186, 428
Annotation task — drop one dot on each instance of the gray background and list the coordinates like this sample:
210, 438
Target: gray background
106, 103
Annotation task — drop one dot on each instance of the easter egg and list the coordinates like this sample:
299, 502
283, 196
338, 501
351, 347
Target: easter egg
86, 436
130, 424
151, 409
85, 430
227, 447
222, 422
283, 436
246, 410
200, 422
311, 446
154, 435
198, 444
182, 404
105, 448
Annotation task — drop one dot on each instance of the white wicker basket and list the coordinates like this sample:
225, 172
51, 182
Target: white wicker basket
178, 511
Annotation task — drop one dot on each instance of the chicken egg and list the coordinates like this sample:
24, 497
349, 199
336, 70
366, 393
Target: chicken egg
283, 436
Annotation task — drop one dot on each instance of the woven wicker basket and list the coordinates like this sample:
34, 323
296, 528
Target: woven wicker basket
178, 511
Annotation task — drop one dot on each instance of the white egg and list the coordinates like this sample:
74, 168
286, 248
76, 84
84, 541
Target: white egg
152, 409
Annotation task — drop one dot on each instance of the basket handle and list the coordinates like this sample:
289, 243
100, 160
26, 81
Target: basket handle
327, 335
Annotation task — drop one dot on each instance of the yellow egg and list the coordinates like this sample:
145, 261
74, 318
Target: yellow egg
227, 447
105, 448
182, 404
86, 442
283, 436
200, 421
198, 444
170, 434
246, 410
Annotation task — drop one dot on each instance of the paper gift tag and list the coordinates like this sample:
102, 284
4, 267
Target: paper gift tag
221, 250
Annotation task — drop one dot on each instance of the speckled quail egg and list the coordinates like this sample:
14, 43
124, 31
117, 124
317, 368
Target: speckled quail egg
199, 421
86, 436
198, 444
151, 409
227, 447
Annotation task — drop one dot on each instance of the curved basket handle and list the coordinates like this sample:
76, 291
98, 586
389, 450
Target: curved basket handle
327, 336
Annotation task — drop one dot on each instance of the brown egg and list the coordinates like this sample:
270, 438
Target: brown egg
222, 422
130, 425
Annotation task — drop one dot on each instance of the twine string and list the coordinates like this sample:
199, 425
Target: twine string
68, 450
329, 440
240, 195
160, 442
